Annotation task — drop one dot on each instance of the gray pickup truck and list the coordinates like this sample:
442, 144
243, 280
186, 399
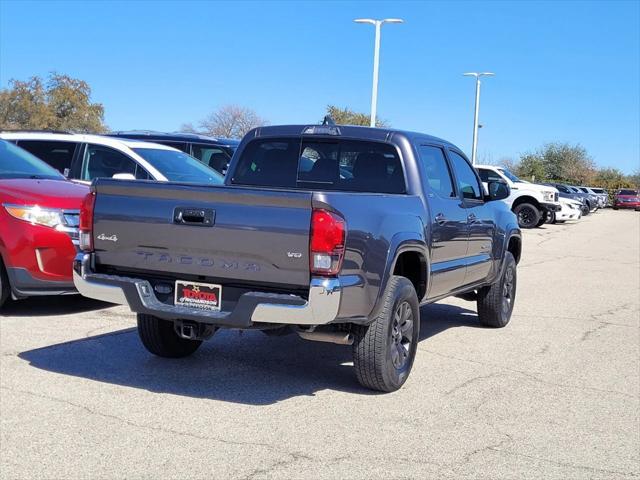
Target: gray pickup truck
337, 233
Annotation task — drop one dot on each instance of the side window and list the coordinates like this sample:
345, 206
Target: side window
467, 181
214, 157
487, 175
57, 154
100, 161
437, 171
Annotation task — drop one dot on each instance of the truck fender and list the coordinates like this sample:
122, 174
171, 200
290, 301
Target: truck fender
400, 243
512, 232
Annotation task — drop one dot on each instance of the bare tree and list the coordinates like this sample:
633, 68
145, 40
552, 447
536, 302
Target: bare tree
230, 121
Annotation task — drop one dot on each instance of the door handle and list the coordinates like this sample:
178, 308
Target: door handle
440, 219
471, 217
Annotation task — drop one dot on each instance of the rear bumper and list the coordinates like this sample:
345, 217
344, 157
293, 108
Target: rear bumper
253, 307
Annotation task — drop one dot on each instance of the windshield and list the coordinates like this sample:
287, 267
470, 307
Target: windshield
628, 192
509, 175
179, 167
18, 163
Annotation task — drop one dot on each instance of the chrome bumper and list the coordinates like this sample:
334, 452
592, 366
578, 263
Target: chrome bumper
321, 308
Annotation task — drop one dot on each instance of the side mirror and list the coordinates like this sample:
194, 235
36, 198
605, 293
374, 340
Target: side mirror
498, 190
124, 176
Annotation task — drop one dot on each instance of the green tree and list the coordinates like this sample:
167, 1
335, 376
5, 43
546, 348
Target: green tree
558, 161
531, 167
60, 103
346, 116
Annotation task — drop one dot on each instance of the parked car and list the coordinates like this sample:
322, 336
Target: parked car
571, 210
85, 157
601, 198
38, 226
565, 191
213, 152
343, 260
626, 198
529, 201
590, 199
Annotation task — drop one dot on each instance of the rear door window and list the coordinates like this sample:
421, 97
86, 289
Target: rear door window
437, 171
57, 154
100, 161
321, 164
215, 157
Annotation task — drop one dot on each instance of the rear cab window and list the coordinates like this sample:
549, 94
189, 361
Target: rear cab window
321, 164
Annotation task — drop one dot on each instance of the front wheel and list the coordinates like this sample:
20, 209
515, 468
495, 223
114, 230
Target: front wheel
528, 215
495, 302
552, 217
159, 337
384, 350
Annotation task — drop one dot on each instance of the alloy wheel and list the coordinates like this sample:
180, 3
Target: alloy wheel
401, 335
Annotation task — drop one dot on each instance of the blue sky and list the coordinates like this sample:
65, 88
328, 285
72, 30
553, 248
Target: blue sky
565, 71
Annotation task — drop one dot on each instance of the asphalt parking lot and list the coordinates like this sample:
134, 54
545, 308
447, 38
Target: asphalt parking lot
553, 395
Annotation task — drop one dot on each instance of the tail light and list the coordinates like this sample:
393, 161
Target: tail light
326, 248
86, 222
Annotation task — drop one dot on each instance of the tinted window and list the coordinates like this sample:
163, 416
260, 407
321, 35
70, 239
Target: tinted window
467, 180
437, 171
627, 192
179, 167
57, 154
18, 163
487, 175
100, 161
346, 165
215, 157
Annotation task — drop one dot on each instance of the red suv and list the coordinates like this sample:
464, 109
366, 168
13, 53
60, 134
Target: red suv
39, 211
626, 198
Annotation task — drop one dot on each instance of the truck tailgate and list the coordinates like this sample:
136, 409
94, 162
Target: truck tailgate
251, 236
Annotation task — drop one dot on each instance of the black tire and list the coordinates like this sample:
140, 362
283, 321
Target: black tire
495, 302
5, 289
585, 210
159, 337
552, 218
528, 215
543, 219
384, 350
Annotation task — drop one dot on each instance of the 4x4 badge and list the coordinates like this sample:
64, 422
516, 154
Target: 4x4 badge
111, 238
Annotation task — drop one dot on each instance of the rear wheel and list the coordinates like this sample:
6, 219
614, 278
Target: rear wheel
495, 302
5, 290
528, 215
384, 350
159, 337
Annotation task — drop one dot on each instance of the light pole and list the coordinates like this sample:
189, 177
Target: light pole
477, 110
376, 60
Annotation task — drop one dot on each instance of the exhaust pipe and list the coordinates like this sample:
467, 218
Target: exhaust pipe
340, 338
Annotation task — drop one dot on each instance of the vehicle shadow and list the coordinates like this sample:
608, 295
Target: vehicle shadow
248, 368
51, 306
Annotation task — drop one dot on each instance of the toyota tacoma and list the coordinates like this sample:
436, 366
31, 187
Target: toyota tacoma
337, 233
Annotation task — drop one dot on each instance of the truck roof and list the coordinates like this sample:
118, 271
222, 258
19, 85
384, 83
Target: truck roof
348, 131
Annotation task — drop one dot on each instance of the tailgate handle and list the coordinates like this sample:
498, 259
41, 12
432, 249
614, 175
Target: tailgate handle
203, 217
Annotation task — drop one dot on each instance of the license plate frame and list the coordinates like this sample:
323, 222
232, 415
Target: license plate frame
201, 296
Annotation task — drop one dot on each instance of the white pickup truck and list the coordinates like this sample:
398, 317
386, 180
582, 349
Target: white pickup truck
530, 202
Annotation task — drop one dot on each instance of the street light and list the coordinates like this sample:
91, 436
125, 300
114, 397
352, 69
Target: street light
376, 60
477, 110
